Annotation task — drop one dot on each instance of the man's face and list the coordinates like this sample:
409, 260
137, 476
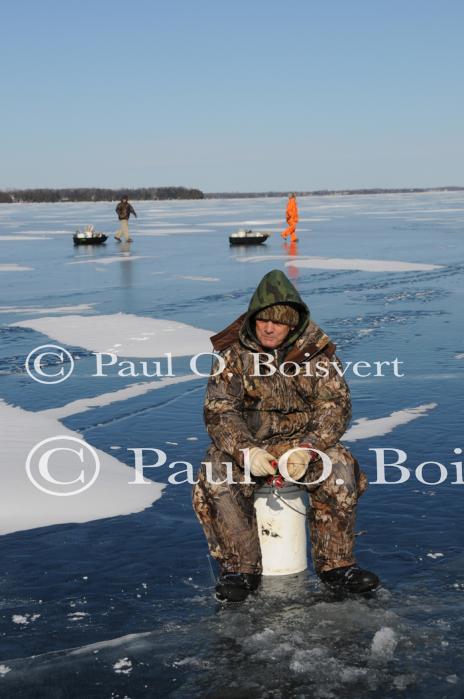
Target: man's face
270, 334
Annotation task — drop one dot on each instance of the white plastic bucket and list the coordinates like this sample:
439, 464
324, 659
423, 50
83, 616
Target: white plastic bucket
281, 520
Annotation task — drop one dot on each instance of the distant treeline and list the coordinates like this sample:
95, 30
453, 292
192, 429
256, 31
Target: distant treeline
326, 192
154, 193
97, 194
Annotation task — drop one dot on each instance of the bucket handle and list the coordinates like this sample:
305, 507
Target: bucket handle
277, 494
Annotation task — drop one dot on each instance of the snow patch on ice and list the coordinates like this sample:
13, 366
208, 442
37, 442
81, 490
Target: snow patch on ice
117, 332
23, 506
81, 405
194, 278
123, 666
363, 427
360, 265
132, 639
13, 267
263, 222
110, 260
25, 237
38, 234
78, 616
19, 619
80, 308
24, 619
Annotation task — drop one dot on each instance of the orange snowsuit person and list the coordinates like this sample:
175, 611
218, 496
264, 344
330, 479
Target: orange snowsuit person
292, 219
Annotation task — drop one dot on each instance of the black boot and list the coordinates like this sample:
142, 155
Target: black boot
350, 579
235, 587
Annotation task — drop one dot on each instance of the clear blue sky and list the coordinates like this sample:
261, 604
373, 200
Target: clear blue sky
232, 95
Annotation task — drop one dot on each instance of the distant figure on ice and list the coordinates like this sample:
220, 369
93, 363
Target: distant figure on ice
271, 413
292, 218
124, 210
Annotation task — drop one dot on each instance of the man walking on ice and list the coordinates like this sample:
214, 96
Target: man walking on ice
124, 210
292, 219
271, 413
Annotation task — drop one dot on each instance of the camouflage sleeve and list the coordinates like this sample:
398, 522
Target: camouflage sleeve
330, 405
223, 408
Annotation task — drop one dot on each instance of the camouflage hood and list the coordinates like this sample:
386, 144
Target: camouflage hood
306, 340
274, 288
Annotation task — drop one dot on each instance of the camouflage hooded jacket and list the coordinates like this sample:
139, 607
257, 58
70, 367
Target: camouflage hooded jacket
275, 412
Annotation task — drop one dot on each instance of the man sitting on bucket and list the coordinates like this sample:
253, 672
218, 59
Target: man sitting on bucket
271, 413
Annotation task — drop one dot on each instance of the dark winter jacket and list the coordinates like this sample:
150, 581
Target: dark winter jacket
124, 210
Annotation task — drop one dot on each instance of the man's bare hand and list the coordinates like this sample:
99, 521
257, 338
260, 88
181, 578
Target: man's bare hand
261, 462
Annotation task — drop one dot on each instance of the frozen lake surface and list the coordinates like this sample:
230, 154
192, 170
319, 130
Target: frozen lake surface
114, 598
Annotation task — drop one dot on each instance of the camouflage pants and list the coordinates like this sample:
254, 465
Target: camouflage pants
227, 515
